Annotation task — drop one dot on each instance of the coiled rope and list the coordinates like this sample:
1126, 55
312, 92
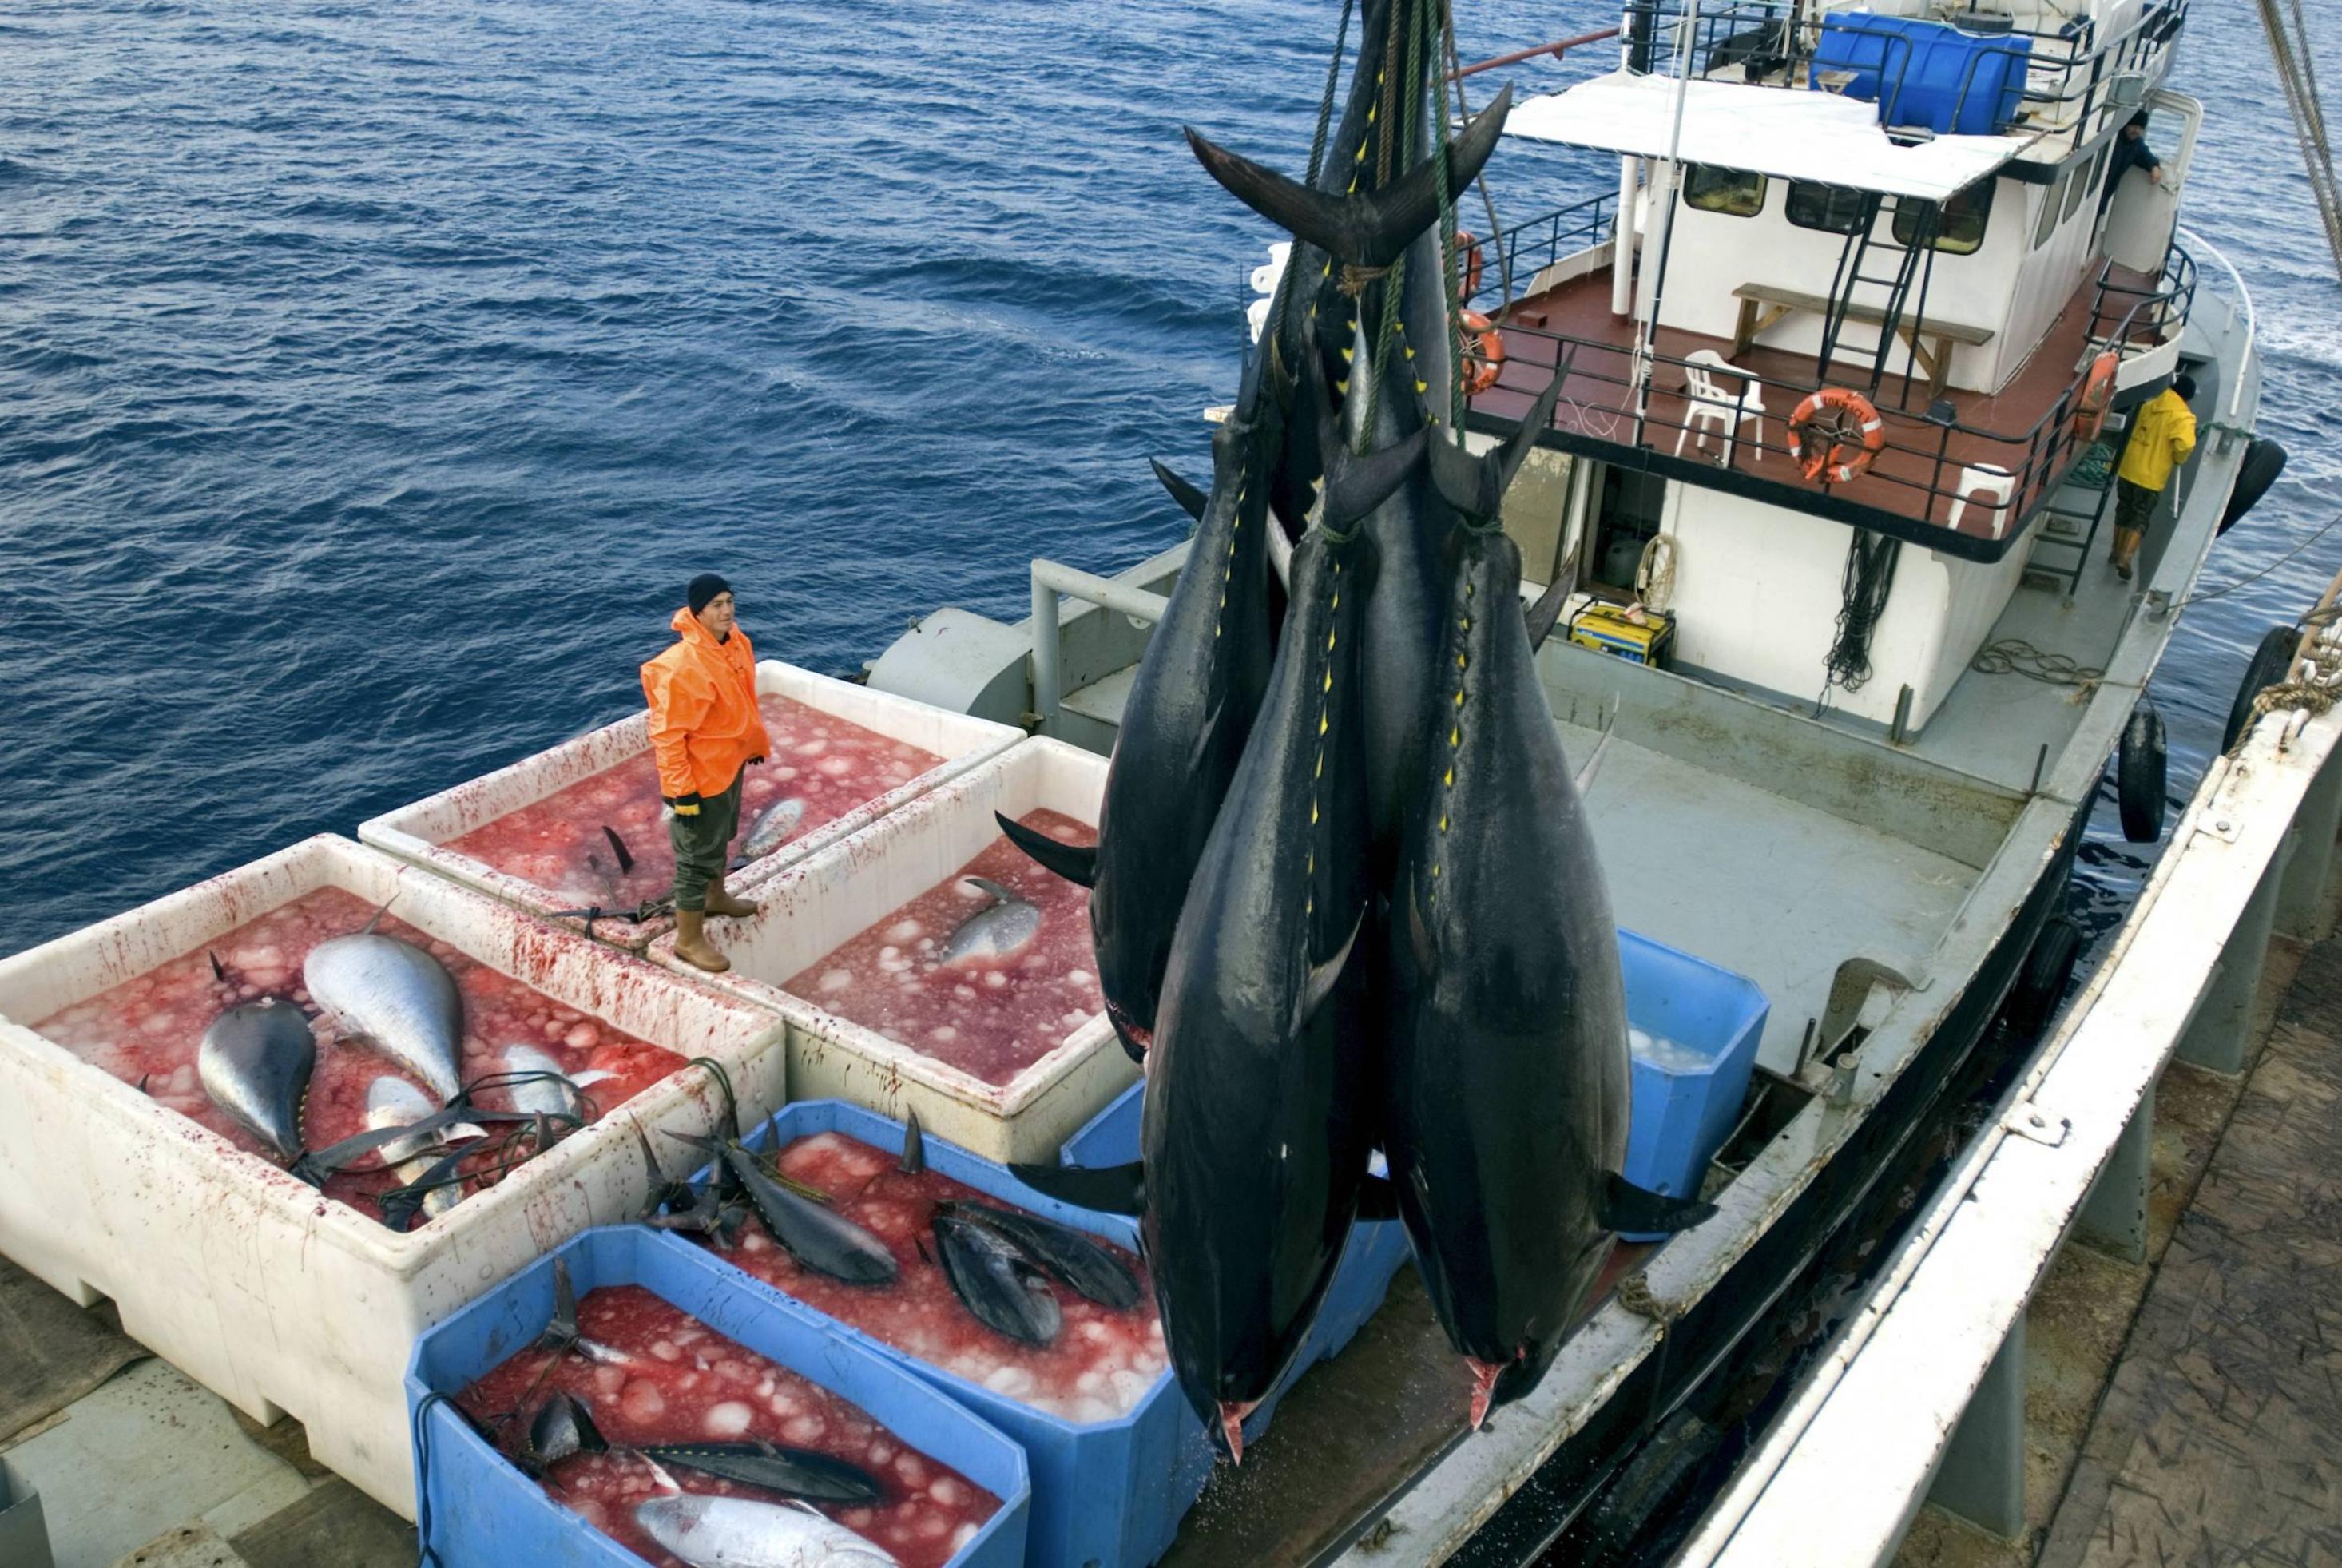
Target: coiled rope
2016, 656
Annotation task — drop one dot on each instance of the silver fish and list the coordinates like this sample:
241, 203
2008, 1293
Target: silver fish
710, 1531
254, 1062
774, 828
395, 1102
542, 1096
1000, 928
399, 997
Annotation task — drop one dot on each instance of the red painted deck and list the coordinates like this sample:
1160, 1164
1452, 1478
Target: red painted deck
2019, 429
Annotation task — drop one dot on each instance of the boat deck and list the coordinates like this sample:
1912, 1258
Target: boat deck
1914, 478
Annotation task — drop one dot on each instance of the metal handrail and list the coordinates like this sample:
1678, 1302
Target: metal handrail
1592, 220
1050, 579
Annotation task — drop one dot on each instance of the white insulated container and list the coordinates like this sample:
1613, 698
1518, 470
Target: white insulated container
827, 899
420, 832
252, 1282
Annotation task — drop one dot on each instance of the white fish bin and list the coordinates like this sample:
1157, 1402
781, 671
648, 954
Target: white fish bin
252, 1282
539, 834
1006, 1053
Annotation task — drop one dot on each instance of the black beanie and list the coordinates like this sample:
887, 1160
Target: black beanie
704, 587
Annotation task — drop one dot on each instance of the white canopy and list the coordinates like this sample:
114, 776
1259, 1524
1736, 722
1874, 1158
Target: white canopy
1791, 132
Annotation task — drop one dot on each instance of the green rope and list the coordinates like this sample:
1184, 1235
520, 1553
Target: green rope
1325, 104
1449, 310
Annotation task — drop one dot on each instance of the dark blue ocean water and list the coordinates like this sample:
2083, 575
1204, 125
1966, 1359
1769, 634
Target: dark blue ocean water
372, 375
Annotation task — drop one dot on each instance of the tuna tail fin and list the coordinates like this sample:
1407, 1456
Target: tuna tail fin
1355, 482
1078, 863
618, 847
1628, 1207
1191, 500
1367, 229
1541, 617
376, 919
1476, 487
1104, 1190
1004, 894
219, 970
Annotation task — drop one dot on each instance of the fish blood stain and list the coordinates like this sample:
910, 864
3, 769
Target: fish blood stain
1099, 1366
1022, 995
557, 843
152, 1026
715, 1390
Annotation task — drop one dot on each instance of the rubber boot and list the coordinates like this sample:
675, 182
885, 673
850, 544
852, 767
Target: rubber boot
691, 943
722, 903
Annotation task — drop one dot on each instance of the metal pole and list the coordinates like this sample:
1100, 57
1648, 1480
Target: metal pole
1656, 270
2114, 1216
1982, 1475
1044, 653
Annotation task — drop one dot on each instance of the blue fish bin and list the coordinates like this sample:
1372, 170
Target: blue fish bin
476, 1508
1924, 74
1377, 1250
1700, 1026
1105, 1495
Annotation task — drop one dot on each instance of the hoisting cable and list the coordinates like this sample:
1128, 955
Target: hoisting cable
1487, 201
2298, 73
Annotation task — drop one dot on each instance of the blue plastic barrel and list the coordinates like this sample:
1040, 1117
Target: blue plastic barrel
1684, 1105
1377, 1250
1925, 74
481, 1510
1108, 1494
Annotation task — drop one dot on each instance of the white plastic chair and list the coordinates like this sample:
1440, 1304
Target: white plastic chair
1706, 402
1996, 482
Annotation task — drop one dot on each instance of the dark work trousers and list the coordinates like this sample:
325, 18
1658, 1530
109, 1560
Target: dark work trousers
702, 843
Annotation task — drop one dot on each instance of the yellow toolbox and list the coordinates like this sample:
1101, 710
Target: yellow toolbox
1605, 629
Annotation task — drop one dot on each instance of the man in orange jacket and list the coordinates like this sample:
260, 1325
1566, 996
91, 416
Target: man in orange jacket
705, 731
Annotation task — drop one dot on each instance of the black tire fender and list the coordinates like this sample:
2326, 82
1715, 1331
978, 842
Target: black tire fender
2264, 460
2270, 664
2142, 775
2048, 970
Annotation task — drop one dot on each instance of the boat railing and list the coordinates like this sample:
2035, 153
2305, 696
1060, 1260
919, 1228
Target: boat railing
1927, 461
1524, 250
1051, 579
2134, 318
2073, 74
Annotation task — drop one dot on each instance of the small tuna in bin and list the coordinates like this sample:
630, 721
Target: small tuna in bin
996, 1281
822, 1241
255, 1062
1065, 1254
395, 997
1006, 925
774, 828
563, 1426
709, 1532
797, 1471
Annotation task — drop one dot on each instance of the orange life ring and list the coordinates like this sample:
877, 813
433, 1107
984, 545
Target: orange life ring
1853, 425
1484, 352
1468, 246
2098, 397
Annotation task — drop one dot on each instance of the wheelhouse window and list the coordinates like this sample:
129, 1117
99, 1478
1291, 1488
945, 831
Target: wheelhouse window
1960, 230
1728, 191
2051, 200
2073, 197
1834, 209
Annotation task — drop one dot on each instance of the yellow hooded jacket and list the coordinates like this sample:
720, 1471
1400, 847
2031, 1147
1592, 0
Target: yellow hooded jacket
704, 721
2161, 437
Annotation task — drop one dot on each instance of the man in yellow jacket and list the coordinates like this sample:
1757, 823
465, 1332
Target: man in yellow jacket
2161, 436
705, 731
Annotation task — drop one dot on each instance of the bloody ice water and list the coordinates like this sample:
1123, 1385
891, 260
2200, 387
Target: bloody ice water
149, 1029
991, 1016
1099, 1367
557, 843
683, 1383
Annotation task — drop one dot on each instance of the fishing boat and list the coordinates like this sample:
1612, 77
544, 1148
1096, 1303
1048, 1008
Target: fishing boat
1847, 354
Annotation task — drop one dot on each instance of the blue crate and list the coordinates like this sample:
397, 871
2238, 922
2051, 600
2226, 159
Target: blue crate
1926, 74
1109, 1494
1683, 1113
481, 1509
1377, 1250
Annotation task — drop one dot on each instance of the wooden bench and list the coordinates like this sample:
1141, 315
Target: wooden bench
1930, 343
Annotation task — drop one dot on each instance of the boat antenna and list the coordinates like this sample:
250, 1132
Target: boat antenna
1647, 321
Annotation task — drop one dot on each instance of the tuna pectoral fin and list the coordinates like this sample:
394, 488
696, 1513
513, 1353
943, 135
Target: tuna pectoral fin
1280, 551
1324, 977
1191, 500
618, 847
1103, 1190
1541, 617
1379, 1199
1476, 487
1628, 1207
1356, 484
1368, 229
1078, 863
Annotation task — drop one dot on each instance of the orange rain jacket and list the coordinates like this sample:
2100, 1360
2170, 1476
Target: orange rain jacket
704, 721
